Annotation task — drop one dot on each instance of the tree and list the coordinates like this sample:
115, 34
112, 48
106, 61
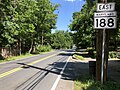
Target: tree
25, 23
46, 19
7, 27
82, 25
61, 40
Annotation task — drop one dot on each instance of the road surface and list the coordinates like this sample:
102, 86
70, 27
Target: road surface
40, 72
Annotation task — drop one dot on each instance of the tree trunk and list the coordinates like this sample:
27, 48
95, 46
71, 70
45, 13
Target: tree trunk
42, 37
20, 46
31, 47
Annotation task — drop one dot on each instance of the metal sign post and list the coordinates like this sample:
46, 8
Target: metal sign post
103, 51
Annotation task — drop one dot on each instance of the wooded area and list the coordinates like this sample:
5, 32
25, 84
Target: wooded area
25, 25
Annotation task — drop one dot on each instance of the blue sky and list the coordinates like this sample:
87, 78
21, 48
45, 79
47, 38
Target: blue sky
65, 11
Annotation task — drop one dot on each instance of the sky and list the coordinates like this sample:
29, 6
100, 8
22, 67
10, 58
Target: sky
65, 12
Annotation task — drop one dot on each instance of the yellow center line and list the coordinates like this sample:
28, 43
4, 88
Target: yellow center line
41, 59
19, 68
10, 72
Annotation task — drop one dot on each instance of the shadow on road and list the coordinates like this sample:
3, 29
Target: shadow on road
73, 70
114, 70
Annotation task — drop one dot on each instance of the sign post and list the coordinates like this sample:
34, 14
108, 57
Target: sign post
102, 65
104, 18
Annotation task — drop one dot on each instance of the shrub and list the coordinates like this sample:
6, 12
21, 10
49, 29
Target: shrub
43, 48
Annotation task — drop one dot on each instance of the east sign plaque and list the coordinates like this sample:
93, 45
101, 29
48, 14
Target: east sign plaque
105, 17
105, 6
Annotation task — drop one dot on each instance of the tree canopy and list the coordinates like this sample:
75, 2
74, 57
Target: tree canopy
25, 23
82, 25
61, 40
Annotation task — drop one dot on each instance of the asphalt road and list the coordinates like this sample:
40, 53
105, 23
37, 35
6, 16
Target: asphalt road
40, 72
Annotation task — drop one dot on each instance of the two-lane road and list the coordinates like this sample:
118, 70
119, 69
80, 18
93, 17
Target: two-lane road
40, 72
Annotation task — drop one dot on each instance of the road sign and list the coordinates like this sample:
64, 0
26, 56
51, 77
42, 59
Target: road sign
105, 6
105, 22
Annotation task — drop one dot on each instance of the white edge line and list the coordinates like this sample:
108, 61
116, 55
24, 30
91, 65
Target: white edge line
59, 76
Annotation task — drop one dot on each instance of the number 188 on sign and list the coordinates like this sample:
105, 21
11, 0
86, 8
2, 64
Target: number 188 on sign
105, 22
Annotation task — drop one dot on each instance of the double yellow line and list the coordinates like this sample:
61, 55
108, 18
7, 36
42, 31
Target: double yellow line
19, 68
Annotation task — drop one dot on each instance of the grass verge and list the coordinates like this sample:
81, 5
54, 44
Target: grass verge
16, 57
20, 57
87, 83
76, 56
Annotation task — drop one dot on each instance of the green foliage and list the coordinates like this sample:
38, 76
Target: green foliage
113, 54
26, 23
82, 25
61, 39
43, 48
88, 83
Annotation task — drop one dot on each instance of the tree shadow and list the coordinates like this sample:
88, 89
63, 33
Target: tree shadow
113, 71
75, 70
64, 54
25, 66
54, 68
86, 82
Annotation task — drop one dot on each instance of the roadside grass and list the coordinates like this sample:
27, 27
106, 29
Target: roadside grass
79, 57
16, 57
22, 56
87, 83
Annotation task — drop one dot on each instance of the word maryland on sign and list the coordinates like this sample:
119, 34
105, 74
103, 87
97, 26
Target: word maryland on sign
105, 18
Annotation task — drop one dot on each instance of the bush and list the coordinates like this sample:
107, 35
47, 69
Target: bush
44, 48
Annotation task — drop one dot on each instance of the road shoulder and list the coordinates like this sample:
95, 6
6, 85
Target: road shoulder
67, 80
